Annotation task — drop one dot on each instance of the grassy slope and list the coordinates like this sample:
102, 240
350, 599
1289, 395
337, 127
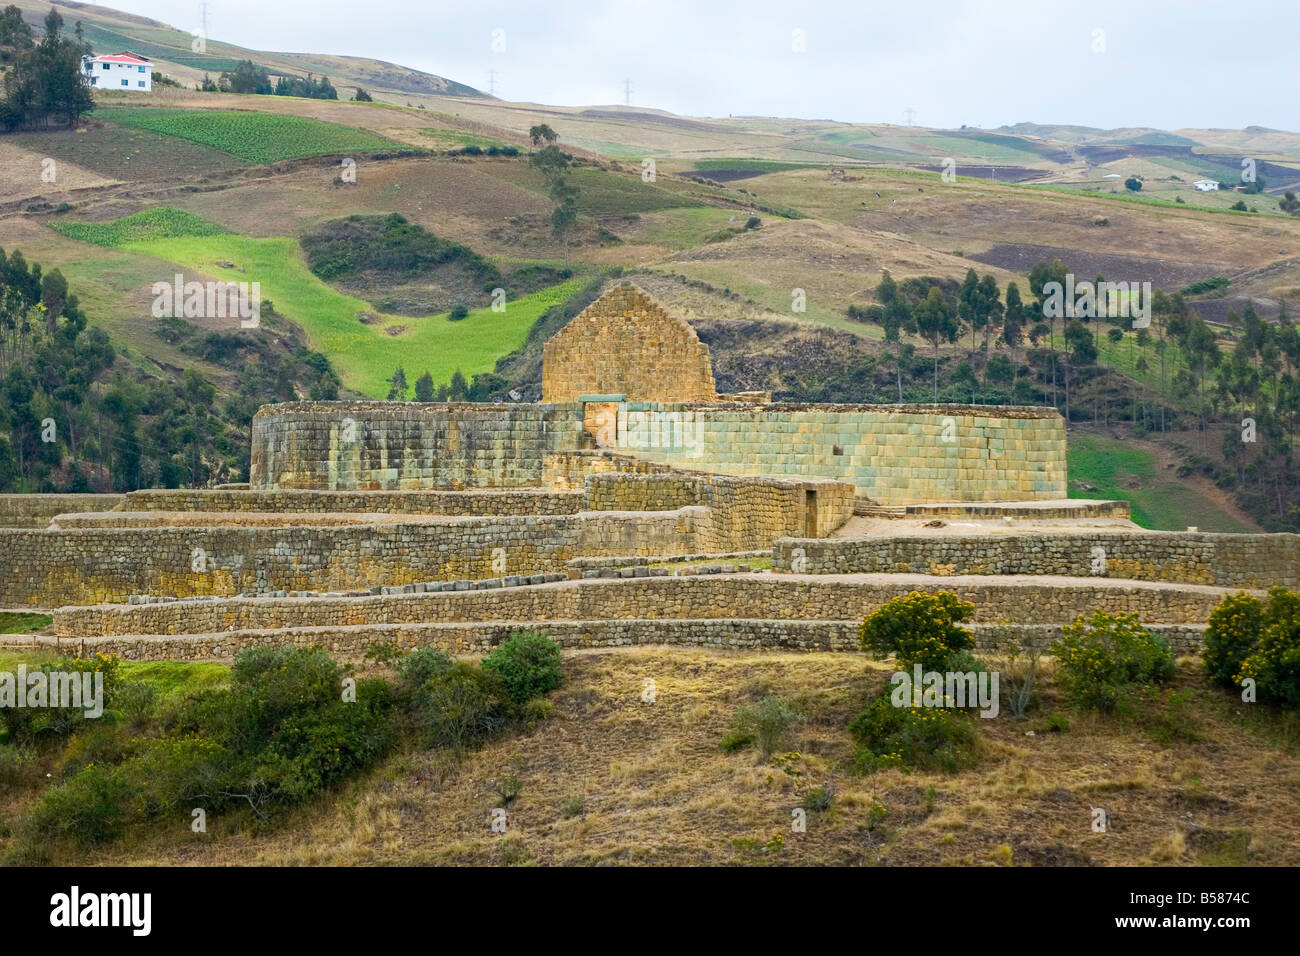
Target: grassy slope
656, 789
363, 355
1117, 470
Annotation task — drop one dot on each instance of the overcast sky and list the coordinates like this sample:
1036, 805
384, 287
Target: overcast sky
1106, 63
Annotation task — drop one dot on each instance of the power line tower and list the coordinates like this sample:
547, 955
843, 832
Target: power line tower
911, 114
492, 82
203, 17
627, 92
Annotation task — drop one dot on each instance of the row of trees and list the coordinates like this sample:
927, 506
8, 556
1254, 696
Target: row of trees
553, 163
248, 77
44, 82
1182, 371
486, 387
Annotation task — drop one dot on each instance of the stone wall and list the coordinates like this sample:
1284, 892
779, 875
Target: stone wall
754, 596
478, 639
75, 566
626, 343
568, 470
1223, 560
344, 446
35, 511
474, 502
742, 513
892, 454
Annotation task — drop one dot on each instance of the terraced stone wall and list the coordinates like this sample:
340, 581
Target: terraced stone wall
754, 596
899, 454
349, 446
35, 511
1223, 560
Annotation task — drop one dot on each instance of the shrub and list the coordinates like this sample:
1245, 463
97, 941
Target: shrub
924, 738
18, 767
920, 629
458, 311
1233, 633
1101, 662
416, 669
1056, 724
466, 705
820, 800
528, 663
1274, 664
769, 723
1019, 675
22, 725
735, 740
574, 806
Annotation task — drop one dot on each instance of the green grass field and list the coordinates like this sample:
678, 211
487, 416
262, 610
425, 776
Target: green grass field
17, 622
1118, 470
254, 137
364, 356
160, 222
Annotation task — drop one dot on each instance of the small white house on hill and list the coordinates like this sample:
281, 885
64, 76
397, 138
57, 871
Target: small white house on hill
119, 71
1206, 185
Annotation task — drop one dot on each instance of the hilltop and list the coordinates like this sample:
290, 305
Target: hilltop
172, 50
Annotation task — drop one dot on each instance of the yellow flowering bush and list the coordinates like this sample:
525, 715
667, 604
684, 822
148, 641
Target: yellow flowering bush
1274, 663
1103, 661
923, 738
1233, 632
920, 629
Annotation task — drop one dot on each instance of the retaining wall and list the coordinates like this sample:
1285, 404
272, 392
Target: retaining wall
752, 596
481, 638
1223, 560
892, 454
74, 566
473, 502
35, 511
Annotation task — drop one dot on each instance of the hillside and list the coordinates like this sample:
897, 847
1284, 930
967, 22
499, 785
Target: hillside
110, 31
770, 235
611, 779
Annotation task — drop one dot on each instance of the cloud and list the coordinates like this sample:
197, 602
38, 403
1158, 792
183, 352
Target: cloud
979, 62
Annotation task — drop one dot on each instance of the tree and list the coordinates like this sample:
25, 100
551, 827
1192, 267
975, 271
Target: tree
459, 388
541, 133
397, 386
15, 34
1133, 183
424, 388
247, 77
991, 310
554, 163
936, 321
361, 96
1014, 317
46, 80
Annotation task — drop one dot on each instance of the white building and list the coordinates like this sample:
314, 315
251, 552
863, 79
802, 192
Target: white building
118, 71
1206, 185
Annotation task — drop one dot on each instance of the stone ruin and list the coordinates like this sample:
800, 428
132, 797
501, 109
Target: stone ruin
634, 504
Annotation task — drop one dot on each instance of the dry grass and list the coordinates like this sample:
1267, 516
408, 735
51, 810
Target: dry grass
655, 788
